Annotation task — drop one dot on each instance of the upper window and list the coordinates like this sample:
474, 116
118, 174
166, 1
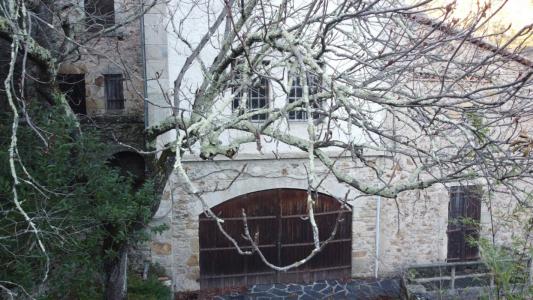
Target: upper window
296, 93
114, 91
258, 94
99, 14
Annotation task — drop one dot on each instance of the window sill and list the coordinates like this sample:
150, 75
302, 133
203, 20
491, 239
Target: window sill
304, 121
117, 111
115, 34
118, 34
258, 121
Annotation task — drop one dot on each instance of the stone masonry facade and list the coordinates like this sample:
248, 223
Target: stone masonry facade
116, 52
412, 229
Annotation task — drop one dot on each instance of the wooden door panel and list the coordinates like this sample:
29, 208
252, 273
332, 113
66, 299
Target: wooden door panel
284, 236
266, 229
334, 254
292, 253
473, 206
211, 235
228, 260
298, 230
251, 279
295, 230
326, 224
235, 267
455, 245
264, 204
471, 249
293, 202
464, 214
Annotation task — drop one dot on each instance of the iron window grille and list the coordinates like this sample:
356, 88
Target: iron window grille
114, 91
257, 94
99, 14
296, 93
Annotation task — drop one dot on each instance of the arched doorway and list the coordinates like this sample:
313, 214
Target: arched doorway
285, 236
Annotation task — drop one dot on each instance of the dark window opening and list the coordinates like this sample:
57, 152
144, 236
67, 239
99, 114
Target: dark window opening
129, 164
73, 86
296, 93
258, 95
99, 14
114, 91
464, 214
3, 102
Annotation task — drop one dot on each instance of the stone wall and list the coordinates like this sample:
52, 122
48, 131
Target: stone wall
412, 231
413, 226
118, 52
158, 85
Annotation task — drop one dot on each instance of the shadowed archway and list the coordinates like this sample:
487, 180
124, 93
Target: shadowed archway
129, 163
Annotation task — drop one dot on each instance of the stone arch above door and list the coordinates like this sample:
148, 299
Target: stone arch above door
284, 236
241, 187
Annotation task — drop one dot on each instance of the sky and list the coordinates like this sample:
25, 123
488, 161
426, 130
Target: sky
517, 13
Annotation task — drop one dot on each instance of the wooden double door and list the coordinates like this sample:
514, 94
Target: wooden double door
279, 217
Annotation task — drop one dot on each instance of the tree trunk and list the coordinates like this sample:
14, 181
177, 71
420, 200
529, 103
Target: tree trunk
116, 276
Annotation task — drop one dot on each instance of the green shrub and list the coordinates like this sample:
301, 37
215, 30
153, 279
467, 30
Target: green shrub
149, 289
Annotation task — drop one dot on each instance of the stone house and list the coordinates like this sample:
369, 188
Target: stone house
376, 237
104, 77
104, 81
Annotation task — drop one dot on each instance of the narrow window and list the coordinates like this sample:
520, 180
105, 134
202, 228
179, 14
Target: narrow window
258, 98
114, 91
464, 214
296, 93
73, 86
99, 14
258, 95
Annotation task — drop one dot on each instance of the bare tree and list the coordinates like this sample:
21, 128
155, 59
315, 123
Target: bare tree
36, 39
373, 77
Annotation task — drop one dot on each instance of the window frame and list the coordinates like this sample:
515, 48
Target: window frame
464, 203
251, 100
314, 84
116, 97
98, 19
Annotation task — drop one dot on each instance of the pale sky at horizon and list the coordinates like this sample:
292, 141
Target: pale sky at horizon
518, 13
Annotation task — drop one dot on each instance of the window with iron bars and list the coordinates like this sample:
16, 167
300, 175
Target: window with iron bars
99, 14
114, 91
258, 96
296, 93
